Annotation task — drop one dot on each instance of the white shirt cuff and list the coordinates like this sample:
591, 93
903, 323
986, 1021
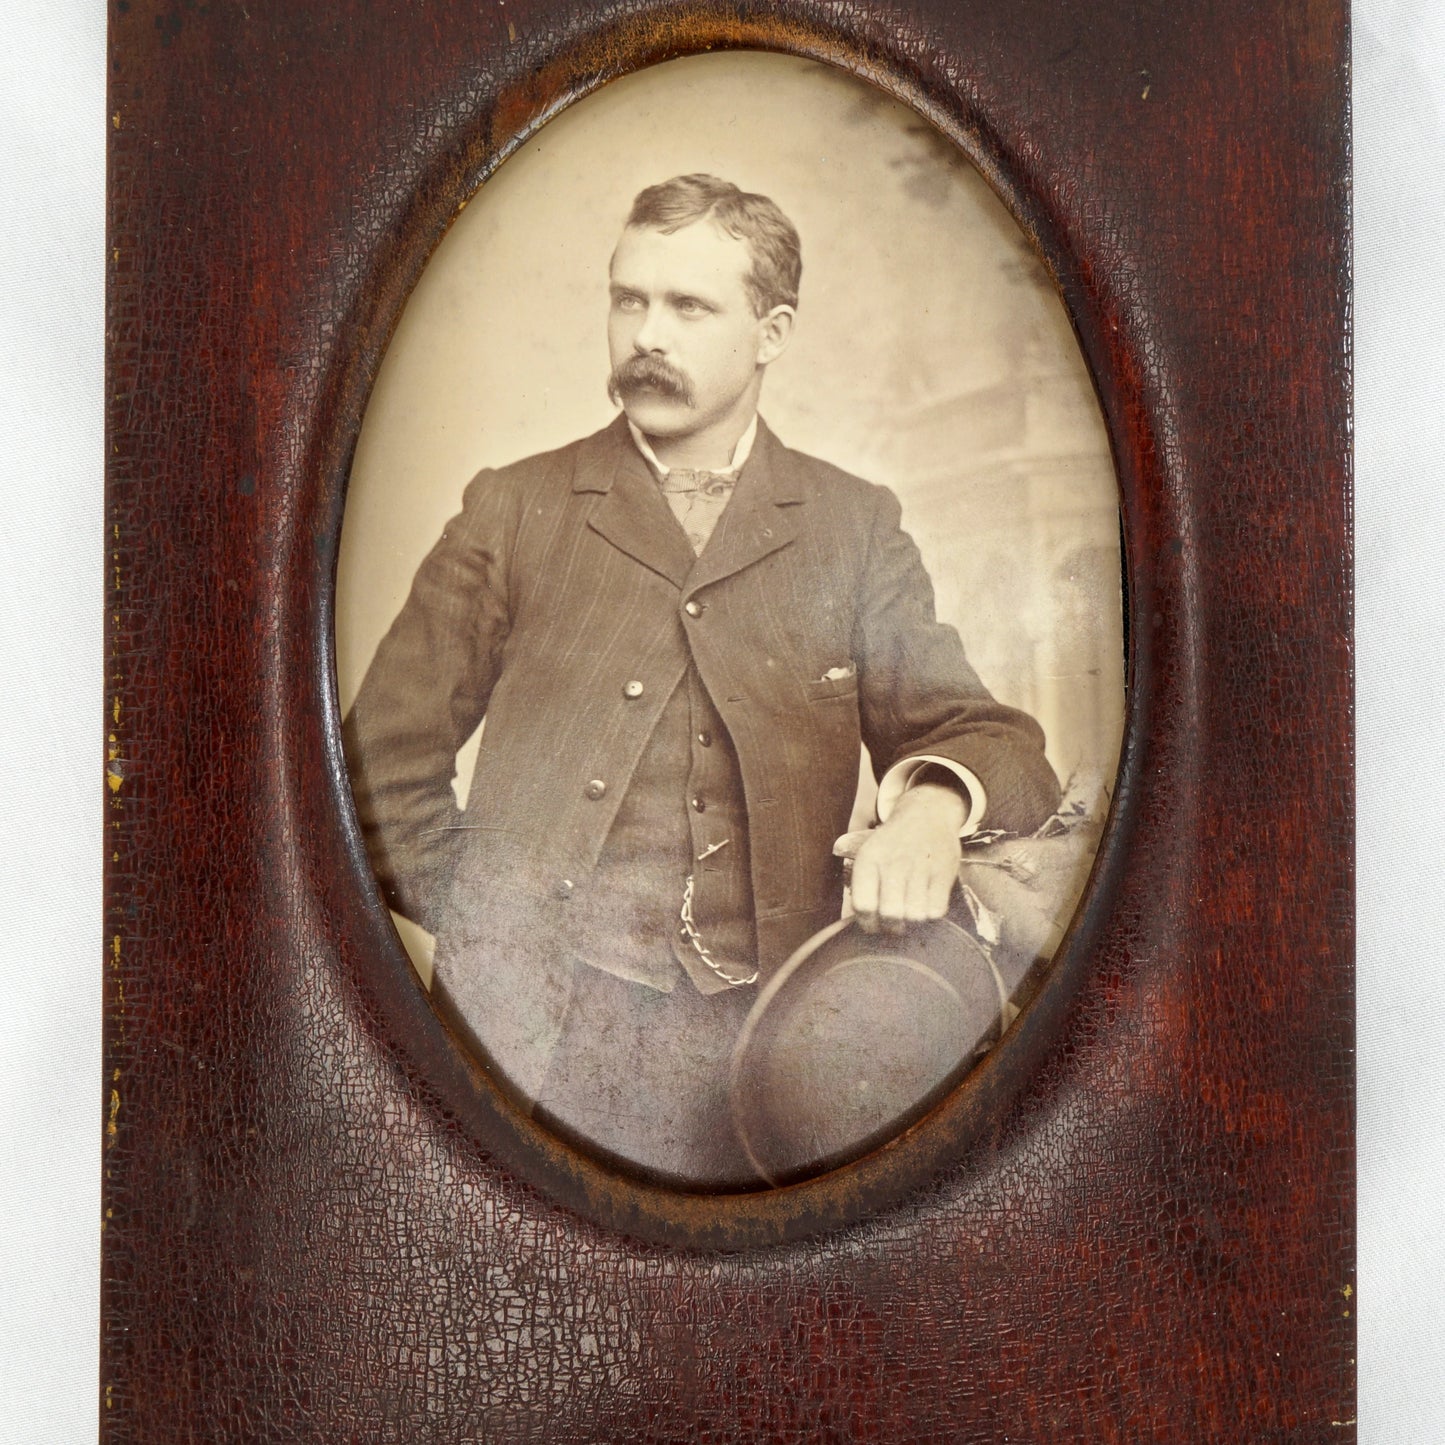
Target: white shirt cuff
899, 778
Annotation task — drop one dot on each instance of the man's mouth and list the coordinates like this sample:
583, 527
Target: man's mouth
648, 374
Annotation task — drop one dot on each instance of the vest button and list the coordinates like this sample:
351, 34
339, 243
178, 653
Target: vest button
632, 689
692, 608
596, 789
564, 887
705, 738
699, 805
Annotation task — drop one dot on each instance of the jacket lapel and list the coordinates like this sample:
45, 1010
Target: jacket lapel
763, 515
631, 511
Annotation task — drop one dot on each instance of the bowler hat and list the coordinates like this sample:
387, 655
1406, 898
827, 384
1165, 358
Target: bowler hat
854, 1038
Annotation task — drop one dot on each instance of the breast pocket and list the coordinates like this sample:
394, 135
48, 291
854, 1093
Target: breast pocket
820, 689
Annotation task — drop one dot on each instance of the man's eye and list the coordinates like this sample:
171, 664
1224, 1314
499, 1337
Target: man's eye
689, 307
625, 302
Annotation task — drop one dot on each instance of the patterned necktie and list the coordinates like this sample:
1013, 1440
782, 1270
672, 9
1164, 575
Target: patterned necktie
697, 500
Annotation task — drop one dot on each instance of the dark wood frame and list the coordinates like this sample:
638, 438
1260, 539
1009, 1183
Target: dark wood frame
279, 176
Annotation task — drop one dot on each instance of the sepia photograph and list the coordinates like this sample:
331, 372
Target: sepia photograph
730, 622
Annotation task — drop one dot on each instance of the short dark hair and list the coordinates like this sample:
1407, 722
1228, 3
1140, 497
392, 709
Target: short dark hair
770, 236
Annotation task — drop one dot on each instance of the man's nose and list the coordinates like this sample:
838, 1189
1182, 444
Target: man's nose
651, 333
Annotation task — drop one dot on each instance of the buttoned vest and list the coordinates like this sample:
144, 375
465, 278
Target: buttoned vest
678, 849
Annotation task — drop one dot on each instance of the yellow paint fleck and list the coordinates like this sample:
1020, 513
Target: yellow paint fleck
1147, 89
115, 954
108, 1389
115, 256
110, 1126
511, 32
115, 120
116, 1076
1348, 1291
115, 711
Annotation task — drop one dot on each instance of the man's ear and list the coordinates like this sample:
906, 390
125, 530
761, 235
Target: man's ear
775, 330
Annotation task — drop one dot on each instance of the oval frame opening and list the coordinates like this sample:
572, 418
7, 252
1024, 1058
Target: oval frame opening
970, 1111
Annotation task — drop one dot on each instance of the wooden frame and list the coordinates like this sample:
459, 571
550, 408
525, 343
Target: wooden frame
1136, 1221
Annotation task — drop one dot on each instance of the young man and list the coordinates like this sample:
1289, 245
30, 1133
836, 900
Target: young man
678, 632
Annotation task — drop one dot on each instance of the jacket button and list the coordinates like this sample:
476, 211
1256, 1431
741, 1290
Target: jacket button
564, 887
595, 789
692, 608
705, 738
699, 805
632, 689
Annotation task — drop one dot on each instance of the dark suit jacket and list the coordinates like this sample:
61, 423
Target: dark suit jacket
564, 578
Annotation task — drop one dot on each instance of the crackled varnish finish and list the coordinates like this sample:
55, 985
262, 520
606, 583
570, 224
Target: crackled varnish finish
1136, 1223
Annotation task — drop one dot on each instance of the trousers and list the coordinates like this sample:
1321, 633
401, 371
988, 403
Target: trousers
640, 1078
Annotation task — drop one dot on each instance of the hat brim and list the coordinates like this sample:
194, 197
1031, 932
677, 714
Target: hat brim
854, 1038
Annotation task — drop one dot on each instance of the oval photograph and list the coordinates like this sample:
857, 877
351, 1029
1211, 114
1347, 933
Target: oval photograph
729, 627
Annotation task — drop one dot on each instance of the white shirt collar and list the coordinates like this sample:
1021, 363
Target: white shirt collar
741, 451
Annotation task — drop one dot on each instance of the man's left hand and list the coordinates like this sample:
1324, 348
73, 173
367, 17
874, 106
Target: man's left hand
905, 869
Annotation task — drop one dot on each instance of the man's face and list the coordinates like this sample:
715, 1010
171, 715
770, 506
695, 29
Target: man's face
687, 347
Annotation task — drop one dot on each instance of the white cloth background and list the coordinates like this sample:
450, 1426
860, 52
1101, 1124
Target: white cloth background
1399, 78
52, 120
